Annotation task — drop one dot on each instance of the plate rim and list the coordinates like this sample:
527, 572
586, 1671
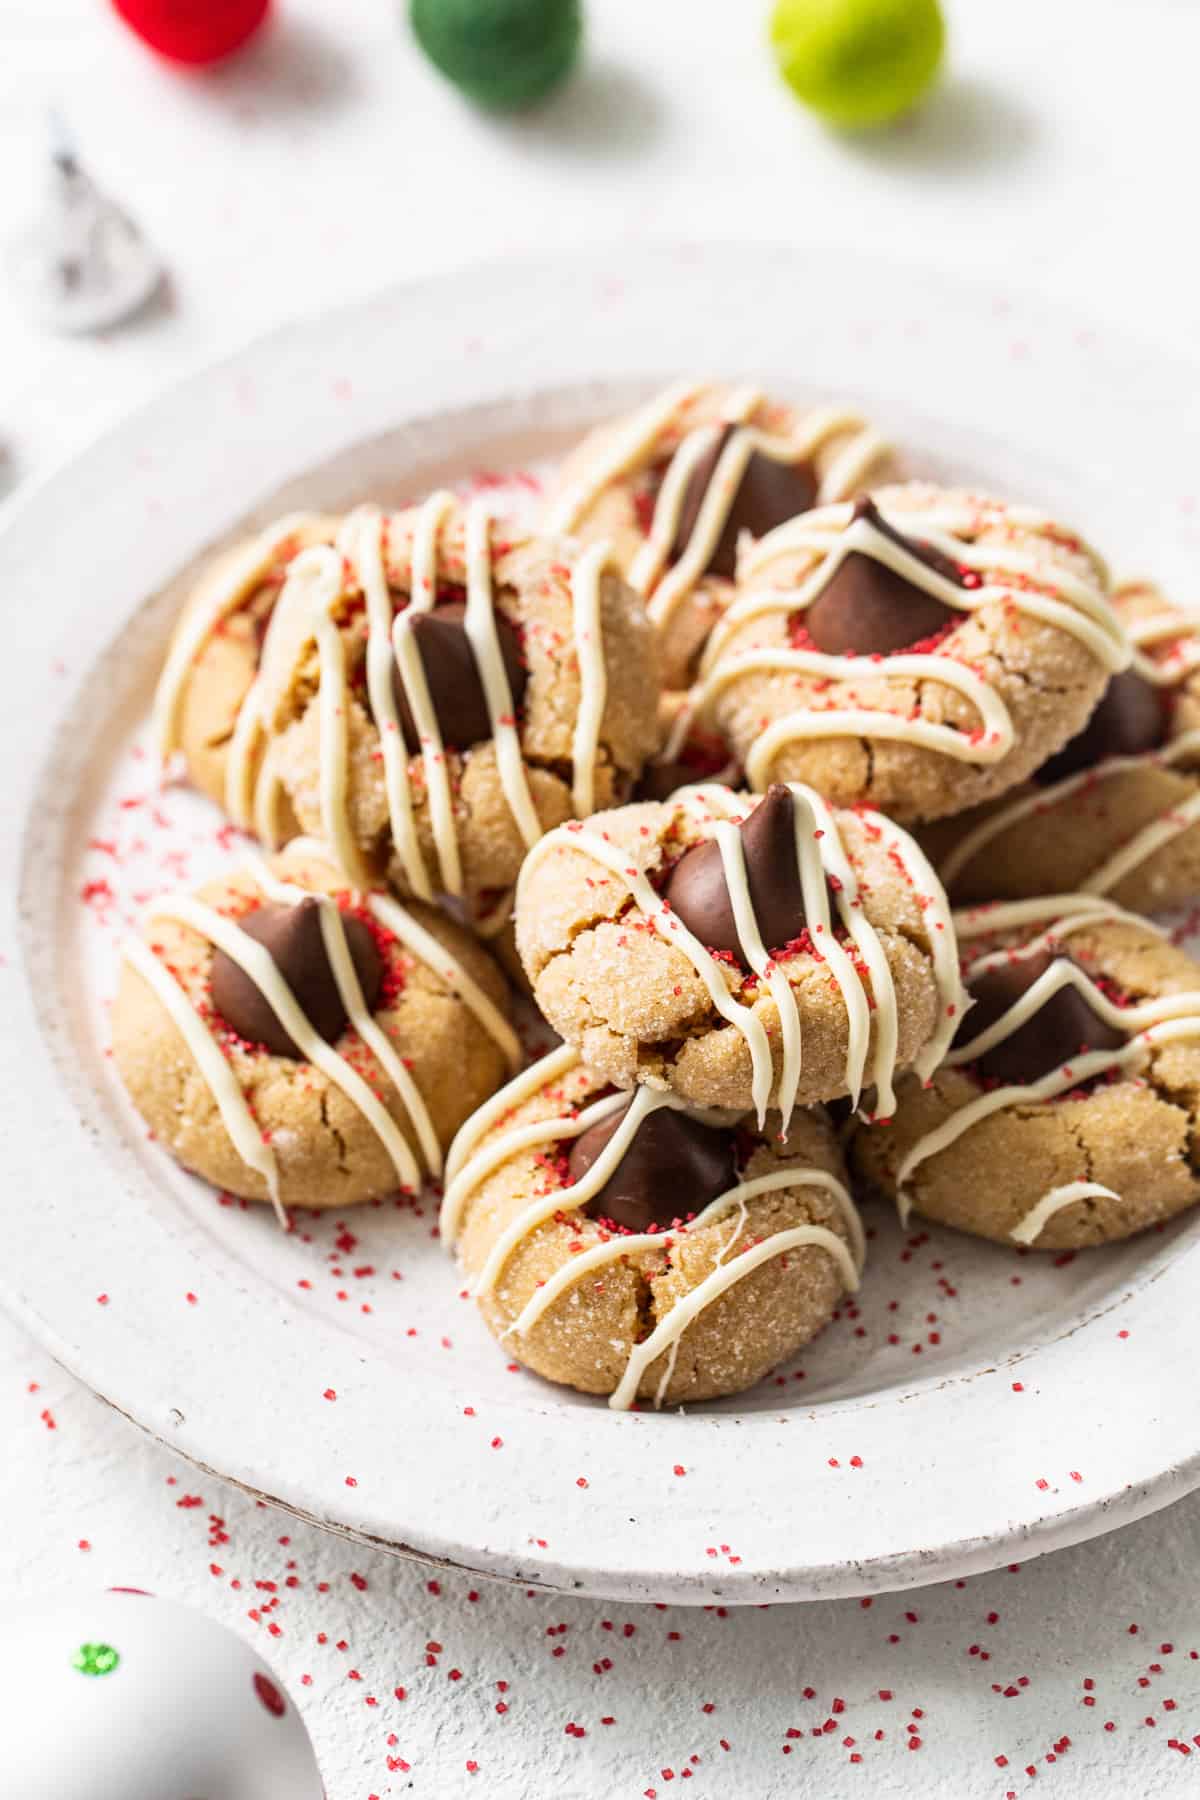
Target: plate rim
1068, 1521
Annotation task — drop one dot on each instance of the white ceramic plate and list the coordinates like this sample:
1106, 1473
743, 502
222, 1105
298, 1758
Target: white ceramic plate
974, 1406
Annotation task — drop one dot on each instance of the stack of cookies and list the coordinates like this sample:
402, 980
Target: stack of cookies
701, 761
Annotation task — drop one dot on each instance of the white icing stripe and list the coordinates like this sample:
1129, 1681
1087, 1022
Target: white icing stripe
480, 626
240, 758
267, 790
493, 916
1030, 1228
644, 1102
820, 853
1043, 800
930, 897
1143, 845
830, 535
426, 947
416, 690
673, 931
1182, 632
850, 468
363, 538
345, 975
690, 1305
1007, 915
244, 574
258, 964
617, 1247
323, 572
244, 1133
586, 577
629, 447
754, 954
988, 744
715, 507
522, 1087
1058, 1081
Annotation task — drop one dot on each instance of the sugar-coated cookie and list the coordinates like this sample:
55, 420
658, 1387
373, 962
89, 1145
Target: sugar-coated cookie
622, 1245
920, 651
1067, 1112
1117, 810
739, 952
291, 1038
428, 692
675, 485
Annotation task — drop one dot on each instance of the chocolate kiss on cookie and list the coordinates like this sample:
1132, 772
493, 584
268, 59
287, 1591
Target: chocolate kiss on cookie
674, 1167
1064, 1028
866, 609
768, 494
452, 672
292, 935
1132, 717
697, 894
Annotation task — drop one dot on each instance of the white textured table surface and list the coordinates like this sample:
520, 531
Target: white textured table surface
328, 161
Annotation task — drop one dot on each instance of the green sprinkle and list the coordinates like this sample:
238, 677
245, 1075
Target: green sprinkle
95, 1659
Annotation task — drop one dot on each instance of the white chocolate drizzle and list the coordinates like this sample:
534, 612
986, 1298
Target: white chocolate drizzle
636, 445
319, 582
820, 857
473, 1158
830, 535
1030, 1228
240, 580
1146, 1024
244, 1133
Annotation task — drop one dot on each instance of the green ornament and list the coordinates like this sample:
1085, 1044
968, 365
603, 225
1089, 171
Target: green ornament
95, 1659
858, 62
504, 54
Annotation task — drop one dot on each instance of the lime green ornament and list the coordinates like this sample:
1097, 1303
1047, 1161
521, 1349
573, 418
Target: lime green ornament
858, 62
95, 1659
504, 54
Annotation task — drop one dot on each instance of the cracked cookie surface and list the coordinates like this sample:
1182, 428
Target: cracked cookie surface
1117, 811
326, 1150
1102, 1141
594, 1325
608, 971
1017, 640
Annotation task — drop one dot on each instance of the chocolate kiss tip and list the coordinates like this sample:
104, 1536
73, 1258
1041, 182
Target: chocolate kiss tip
293, 937
697, 892
867, 609
674, 1166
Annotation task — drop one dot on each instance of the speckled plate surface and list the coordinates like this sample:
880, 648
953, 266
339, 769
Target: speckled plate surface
973, 1406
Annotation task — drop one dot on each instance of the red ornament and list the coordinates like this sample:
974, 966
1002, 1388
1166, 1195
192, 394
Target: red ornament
193, 31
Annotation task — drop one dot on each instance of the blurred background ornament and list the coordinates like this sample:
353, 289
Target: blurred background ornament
193, 31
503, 54
858, 62
122, 1696
82, 263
